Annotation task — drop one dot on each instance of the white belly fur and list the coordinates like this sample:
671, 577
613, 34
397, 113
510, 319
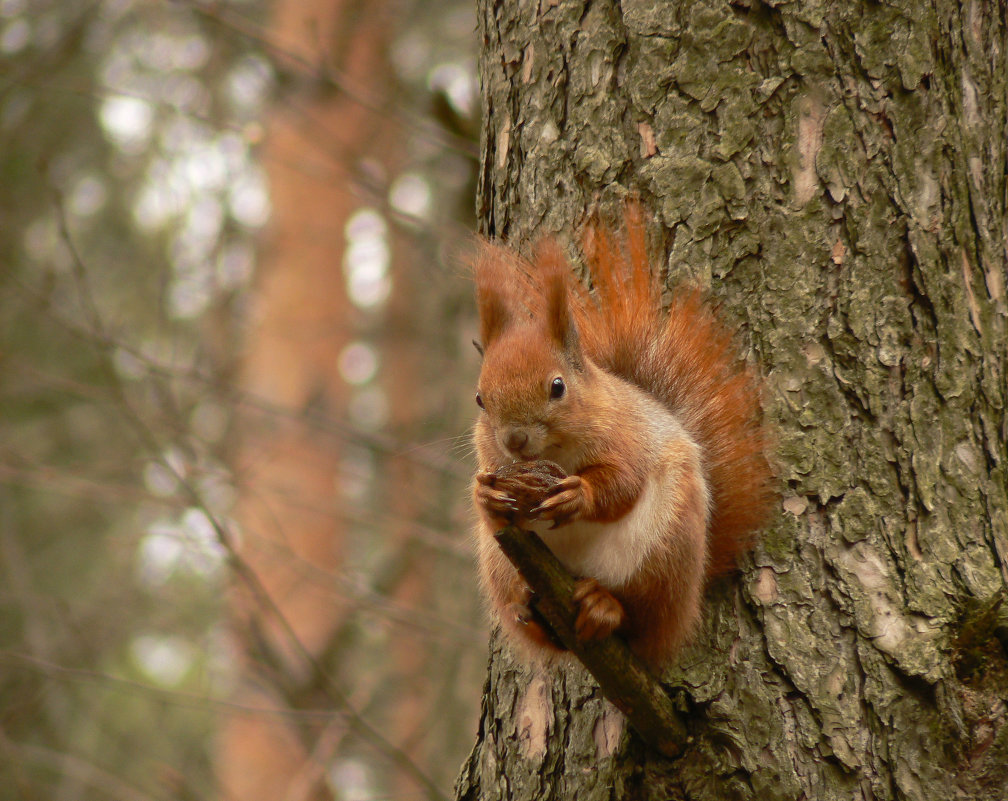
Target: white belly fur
611, 552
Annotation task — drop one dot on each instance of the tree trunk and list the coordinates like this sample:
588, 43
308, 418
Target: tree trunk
835, 174
287, 604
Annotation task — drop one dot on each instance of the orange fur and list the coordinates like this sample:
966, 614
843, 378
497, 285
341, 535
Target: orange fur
686, 358
658, 421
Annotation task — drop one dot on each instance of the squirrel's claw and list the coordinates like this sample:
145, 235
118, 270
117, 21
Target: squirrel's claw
499, 506
486, 479
519, 611
568, 483
522, 613
566, 502
523, 616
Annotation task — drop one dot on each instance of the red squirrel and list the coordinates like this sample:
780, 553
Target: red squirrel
650, 414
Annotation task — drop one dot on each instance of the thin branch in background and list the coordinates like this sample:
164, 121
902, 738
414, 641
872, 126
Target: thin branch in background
82, 770
335, 168
372, 594
416, 125
72, 482
36, 614
305, 783
326, 682
155, 410
238, 399
164, 696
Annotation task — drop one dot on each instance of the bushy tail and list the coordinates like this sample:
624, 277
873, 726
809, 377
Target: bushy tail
686, 358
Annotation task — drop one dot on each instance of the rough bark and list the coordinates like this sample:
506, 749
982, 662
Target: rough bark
835, 173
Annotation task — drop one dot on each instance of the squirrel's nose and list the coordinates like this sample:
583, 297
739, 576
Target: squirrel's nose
514, 441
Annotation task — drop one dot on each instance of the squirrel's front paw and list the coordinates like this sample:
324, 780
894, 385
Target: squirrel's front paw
566, 502
520, 611
499, 505
599, 613
530, 627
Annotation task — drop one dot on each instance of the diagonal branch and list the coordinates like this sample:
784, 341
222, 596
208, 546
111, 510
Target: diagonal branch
622, 677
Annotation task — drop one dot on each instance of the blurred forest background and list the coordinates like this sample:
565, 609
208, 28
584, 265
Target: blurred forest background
235, 386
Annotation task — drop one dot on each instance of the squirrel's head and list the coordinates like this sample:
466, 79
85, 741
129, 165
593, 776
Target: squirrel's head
533, 371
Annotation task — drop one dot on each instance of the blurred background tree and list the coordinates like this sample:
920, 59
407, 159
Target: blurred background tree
234, 393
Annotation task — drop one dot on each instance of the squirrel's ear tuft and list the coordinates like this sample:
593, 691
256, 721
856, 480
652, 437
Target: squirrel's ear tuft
554, 273
494, 291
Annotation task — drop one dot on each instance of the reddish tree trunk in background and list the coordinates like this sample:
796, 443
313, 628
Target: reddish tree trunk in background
288, 465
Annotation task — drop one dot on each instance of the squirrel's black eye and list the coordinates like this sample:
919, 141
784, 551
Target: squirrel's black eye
557, 388
479, 401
